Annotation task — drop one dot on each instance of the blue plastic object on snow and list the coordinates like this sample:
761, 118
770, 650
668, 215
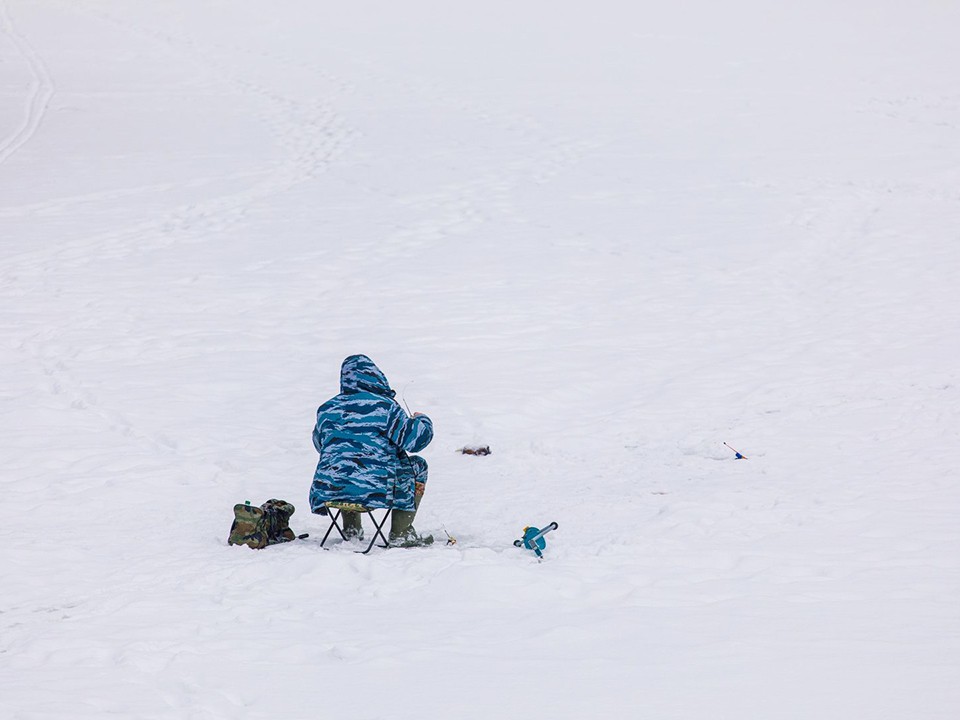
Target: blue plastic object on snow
533, 538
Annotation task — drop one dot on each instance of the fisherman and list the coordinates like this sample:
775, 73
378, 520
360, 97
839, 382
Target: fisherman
364, 437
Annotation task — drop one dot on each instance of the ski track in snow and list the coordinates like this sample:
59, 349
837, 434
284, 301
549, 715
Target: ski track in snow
313, 136
603, 294
41, 90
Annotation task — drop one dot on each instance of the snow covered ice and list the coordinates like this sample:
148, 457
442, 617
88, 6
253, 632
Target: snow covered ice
603, 238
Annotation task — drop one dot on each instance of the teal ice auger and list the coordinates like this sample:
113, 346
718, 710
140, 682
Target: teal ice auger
533, 538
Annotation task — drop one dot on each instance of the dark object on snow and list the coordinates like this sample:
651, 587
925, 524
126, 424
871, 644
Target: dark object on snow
475, 450
257, 527
739, 456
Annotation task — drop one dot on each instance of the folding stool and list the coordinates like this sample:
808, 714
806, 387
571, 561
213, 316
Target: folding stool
342, 507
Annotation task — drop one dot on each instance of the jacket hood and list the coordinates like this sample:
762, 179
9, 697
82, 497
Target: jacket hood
359, 374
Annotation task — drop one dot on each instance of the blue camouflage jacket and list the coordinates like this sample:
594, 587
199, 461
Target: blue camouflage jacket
363, 436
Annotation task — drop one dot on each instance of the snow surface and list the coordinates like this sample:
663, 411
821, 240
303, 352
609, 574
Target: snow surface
602, 238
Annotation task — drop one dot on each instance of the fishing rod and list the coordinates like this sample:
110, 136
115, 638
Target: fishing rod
739, 455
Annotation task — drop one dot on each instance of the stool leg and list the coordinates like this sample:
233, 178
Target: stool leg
378, 531
333, 524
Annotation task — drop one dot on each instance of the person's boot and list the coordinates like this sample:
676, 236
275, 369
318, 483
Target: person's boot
352, 527
402, 532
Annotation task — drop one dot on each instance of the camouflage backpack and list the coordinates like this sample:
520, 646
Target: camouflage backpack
257, 527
